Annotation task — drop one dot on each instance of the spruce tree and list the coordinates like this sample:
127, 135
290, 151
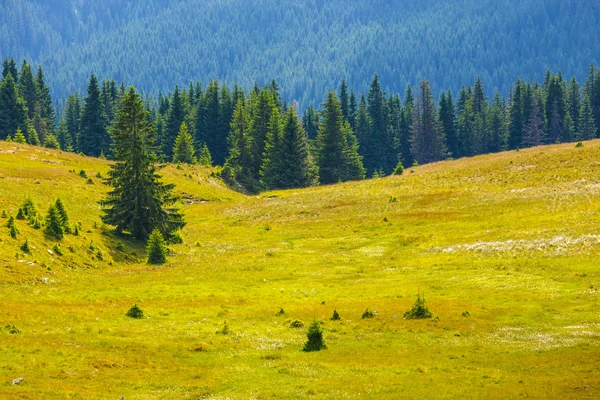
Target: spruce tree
298, 170
337, 149
534, 131
183, 150
139, 202
574, 103
19, 137
405, 132
93, 134
45, 100
156, 248
238, 166
54, 226
13, 111
208, 123
28, 88
72, 117
205, 159
261, 115
448, 119
587, 127
51, 142
496, 120
63, 216
9, 66
310, 122
353, 109
428, 142
175, 118
379, 154
345, 100
516, 122
271, 172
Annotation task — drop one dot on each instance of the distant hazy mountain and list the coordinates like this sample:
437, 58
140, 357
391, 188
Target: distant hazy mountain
308, 46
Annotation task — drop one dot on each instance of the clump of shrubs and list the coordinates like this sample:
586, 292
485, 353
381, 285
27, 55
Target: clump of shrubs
297, 324
13, 330
315, 340
419, 310
368, 314
466, 314
135, 312
280, 312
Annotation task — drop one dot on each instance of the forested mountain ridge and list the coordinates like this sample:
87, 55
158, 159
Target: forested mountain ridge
308, 46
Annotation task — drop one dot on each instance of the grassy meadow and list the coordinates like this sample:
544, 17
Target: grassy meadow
512, 238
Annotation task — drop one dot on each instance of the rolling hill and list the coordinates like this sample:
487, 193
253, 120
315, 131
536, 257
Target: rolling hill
504, 248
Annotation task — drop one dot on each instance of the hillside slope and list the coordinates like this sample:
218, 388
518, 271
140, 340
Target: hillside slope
510, 238
308, 46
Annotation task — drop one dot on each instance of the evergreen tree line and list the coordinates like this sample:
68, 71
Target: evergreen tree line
262, 143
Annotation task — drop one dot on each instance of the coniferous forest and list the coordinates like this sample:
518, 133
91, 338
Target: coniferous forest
263, 142
309, 46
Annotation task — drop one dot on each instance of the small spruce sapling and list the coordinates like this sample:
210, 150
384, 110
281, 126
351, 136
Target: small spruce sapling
157, 249
419, 310
399, 170
53, 225
315, 340
25, 247
135, 312
368, 314
335, 316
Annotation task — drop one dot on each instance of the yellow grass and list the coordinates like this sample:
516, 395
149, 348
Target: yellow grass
512, 238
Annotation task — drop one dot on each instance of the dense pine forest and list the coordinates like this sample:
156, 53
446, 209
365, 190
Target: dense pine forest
308, 45
262, 142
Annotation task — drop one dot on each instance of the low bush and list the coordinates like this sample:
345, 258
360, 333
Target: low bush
368, 314
419, 310
135, 312
335, 316
297, 324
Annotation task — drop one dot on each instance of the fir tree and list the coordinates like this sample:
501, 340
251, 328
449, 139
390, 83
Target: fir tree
404, 137
9, 66
139, 202
574, 103
54, 226
183, 151
315, 340
205, 158
71, 118
516, 118
45, 100
497, 126
156, 248
310, 122
379, 153
238, 166
93, 135
353, 109
448, 119
261, 116
345, 100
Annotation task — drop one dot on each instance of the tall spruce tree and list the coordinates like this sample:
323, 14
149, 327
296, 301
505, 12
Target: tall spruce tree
310, 122
9, 66
405, 134
271, 172
44, 98
534, 131
345, 100
516, 122
13, 111
299, 169
261, 115
238, 166
175, 117
428, 142
93, 133
497, 124
379, 154
28, 88
138, 202
574, 103
183, 149
448, 119
337, 149
587, 126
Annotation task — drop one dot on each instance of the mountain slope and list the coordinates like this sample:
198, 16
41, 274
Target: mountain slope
308, 46
510, 238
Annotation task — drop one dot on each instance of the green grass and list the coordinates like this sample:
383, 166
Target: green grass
511, 238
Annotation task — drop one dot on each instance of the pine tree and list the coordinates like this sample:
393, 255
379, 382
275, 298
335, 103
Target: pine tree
205, 158
175, 117
574, 103
156, 248
315, 340
209, 126
428, 136
353, 109
379, 154
496, 120
53, 224
299, 170
405, 133
93, 135
139, 202
310, 122
271, 172
183, 150
72, 117
587, 126
13, 111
